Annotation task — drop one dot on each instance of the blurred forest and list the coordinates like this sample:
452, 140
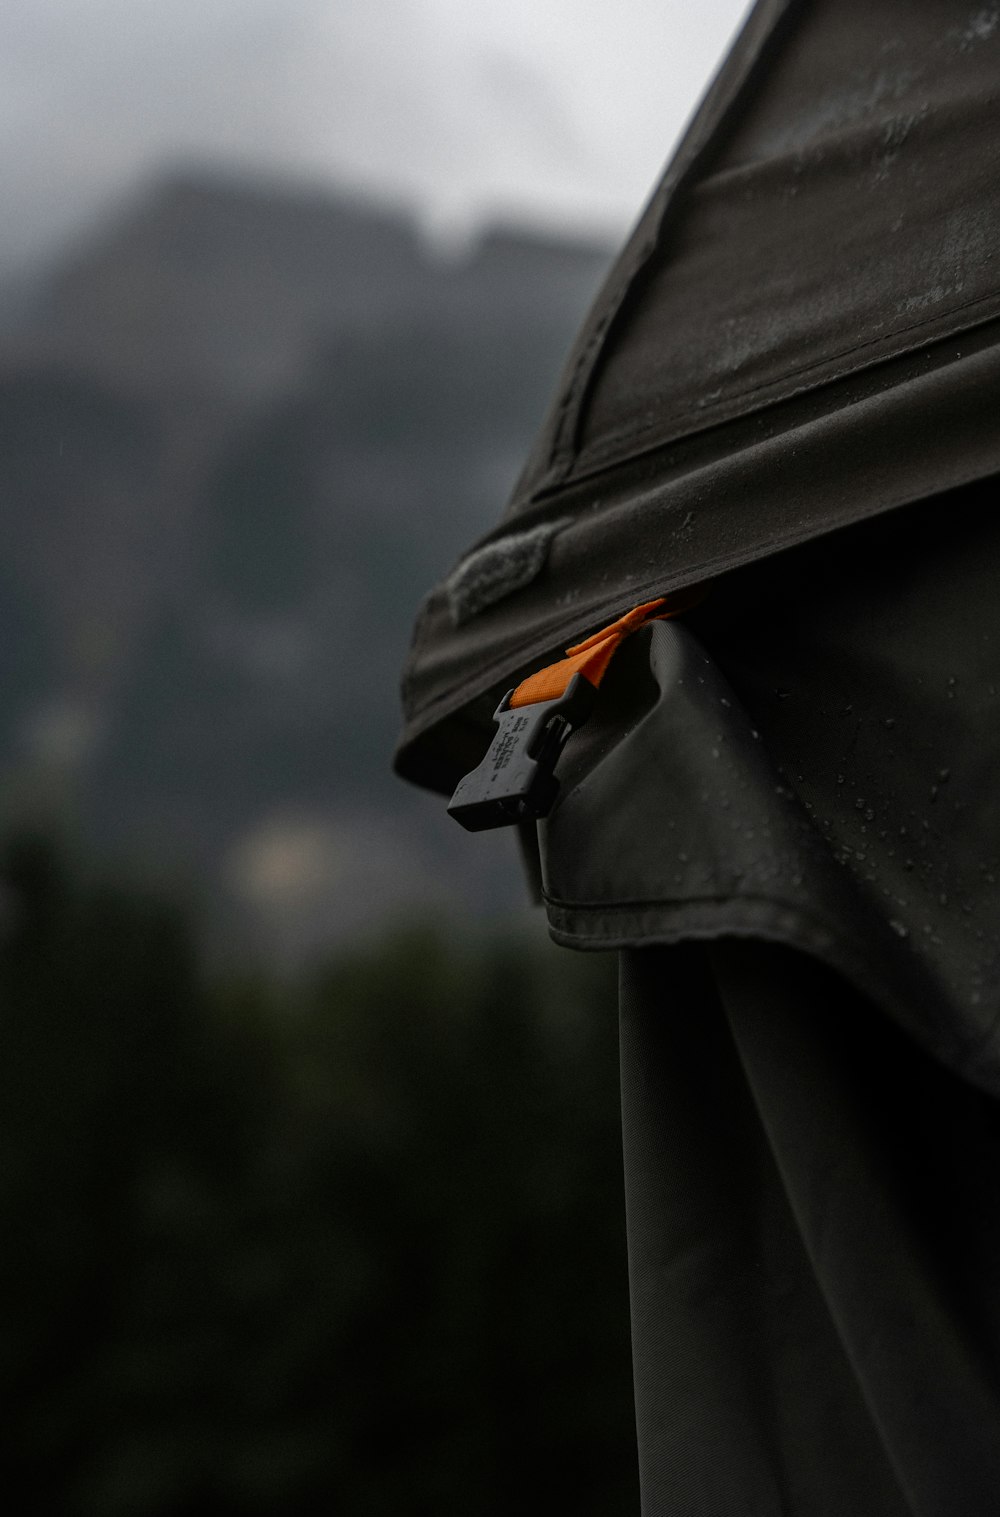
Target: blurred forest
303, 1209
349, 1243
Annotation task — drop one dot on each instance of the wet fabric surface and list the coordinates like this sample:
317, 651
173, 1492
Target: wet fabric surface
802, 332
812, 758
786, 812
785, 815
844, 212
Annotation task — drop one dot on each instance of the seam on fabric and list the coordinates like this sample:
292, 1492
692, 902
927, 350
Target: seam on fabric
832, 947
504, 668
647, 903
563, 448
601, 453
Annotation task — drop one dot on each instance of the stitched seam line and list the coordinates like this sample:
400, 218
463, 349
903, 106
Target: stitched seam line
597, 452
646, 903
701, 135
505, 667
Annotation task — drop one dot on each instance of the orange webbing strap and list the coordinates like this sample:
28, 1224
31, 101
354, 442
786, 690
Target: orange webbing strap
592, 657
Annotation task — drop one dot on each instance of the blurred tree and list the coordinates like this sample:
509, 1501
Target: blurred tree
354, 1243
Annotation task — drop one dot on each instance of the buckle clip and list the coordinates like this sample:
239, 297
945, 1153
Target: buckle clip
515, 781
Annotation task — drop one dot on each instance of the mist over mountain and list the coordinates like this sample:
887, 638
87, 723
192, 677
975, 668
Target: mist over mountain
243, 428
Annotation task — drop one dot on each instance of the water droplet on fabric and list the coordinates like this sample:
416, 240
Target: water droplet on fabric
899, 929
944, 775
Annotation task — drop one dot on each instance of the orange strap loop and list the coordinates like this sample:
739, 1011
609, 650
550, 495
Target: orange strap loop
592, 657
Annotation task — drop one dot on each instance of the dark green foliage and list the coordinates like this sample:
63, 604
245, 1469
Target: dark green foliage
350, 1245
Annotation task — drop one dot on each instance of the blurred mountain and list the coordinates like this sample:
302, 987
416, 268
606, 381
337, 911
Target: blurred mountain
242, 430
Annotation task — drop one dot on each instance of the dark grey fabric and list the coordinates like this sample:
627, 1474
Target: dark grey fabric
785, 810
814, 1245
845, 213
785, 813
811, 758
803, 332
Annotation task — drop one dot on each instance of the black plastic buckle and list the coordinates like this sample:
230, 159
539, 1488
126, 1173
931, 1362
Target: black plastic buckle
515, 781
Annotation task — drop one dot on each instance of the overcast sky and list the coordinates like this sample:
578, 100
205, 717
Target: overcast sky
555, 110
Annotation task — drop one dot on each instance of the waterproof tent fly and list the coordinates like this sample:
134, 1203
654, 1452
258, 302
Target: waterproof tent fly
801, 333
782, 809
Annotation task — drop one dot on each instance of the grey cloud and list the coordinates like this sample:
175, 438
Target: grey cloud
458, 108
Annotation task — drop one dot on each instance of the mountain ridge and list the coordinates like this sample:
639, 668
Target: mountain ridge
246, 429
